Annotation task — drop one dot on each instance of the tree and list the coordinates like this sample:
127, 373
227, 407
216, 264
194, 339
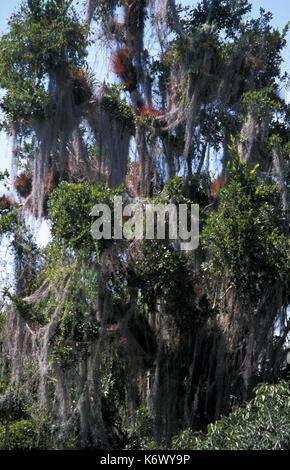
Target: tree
262, 424
96, 331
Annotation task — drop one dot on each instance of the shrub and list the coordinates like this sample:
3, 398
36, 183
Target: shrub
262, 424
69, 209
21, 436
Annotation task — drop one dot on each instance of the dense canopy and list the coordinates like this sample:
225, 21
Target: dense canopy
128, 343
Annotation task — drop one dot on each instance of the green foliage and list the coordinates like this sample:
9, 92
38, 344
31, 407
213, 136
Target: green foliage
244, 237
118, 107
141, 432
160, 270
77, 325
45, 37
225, 15
15, 408
260, 102
26, 100
41, 59
28, 258
22, 436
64, 356
263, 43
105, 8
179, 51
261, 424
4, 176
69, 208
174, 188
219, 30
76, 330
27, 261
23, 308
8, 218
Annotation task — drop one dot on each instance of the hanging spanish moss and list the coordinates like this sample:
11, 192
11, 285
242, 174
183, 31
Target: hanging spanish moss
89, 11
112, 136
98, 335
279, 173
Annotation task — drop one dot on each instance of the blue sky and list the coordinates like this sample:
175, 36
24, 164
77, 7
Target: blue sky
279, 8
